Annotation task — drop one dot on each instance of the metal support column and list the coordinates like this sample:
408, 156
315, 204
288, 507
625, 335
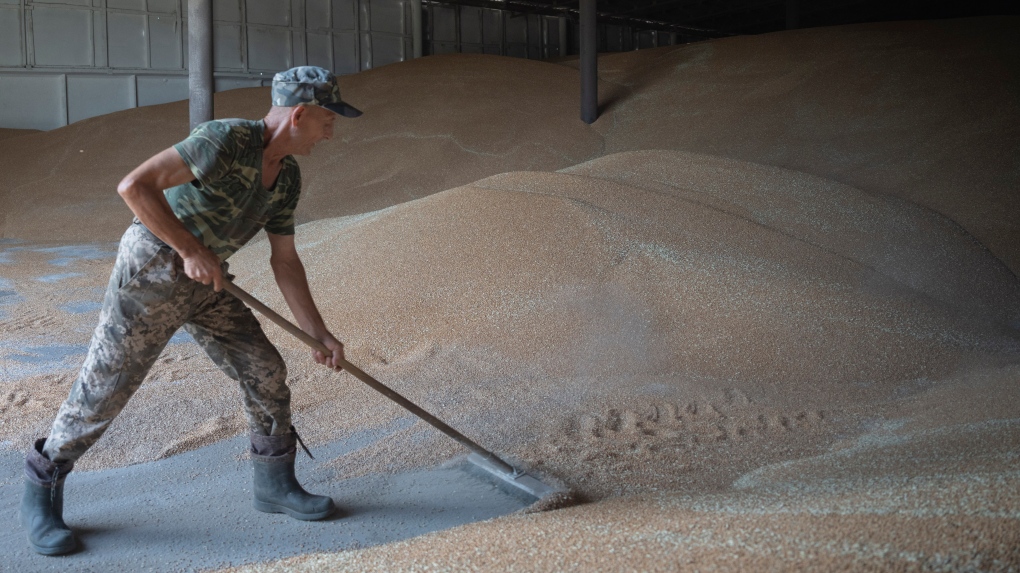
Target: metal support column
457, 28
200, 61
502, 32
543, 24
416, 31
366, 59
563, 35
589, 63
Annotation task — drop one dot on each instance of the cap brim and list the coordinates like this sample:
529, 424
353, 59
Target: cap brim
343, 109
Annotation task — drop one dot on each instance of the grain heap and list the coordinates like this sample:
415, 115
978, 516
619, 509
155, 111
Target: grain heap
8, 133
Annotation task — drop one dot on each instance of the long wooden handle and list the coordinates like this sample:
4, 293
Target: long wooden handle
361, 375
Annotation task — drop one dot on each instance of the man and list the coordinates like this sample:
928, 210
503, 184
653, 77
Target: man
225, 182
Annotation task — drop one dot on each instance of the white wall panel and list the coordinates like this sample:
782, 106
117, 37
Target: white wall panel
320, 49
517, 50
10, 37
164, 42
153, 90
76, 2
224, 84
614, 38
167, 6
534, 36
128, 47
297, 47
386, 49
227, 47
517, 36
470, 25
492, 27
29, 101
317, 14
444, 24
225, 10
126, 4
646, 39
275, 12
345, 53
517, 29
100, 40
92, 95
442, 48
551, 36
269, 49
62, 36
344, 17
387, 16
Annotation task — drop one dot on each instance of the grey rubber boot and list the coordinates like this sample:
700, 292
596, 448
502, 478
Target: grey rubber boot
276, 488
42, 506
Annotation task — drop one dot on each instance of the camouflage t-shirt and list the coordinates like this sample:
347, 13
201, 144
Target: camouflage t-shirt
226, 204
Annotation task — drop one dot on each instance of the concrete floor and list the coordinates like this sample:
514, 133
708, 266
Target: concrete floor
193, 511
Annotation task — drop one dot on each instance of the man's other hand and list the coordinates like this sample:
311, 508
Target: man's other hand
204, 267
333, 360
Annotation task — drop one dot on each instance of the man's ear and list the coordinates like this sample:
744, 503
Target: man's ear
296, 114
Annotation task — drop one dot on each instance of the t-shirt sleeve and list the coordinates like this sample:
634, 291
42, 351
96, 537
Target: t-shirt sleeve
282, 221
209, 152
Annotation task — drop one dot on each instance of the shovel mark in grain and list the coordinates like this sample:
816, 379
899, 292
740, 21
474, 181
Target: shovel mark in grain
666, 444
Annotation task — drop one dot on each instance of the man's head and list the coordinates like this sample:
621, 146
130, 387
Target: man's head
310, 85
306, 100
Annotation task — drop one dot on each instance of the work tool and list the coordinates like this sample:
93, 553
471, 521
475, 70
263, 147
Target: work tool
479, 456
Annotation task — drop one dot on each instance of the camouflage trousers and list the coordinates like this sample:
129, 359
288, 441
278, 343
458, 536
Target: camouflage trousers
148, 298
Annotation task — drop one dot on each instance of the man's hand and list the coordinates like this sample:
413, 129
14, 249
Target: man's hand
332, 360
293, 282
142, 190
203, 266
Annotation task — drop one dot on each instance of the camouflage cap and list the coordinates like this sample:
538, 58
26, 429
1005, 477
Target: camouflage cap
310, 84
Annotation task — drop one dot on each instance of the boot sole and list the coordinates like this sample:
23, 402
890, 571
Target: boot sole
59, 550
266, 507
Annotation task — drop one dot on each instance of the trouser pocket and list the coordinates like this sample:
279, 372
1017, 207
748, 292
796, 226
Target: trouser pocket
145, 265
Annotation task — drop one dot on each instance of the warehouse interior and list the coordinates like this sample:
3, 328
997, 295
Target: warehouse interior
740, 275
62, 61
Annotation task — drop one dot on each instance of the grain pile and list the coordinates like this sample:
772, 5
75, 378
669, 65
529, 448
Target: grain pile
418, 136
925, 111
759, 313
8, 133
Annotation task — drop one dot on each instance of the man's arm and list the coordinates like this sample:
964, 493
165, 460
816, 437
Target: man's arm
142, 190
293, 283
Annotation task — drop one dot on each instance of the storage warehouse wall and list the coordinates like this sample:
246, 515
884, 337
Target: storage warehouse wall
62, 61
65, 60
453, 28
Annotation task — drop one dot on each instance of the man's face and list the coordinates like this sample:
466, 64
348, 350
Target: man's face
312, 124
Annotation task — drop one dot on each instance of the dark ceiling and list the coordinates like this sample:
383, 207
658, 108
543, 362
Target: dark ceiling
715, 18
